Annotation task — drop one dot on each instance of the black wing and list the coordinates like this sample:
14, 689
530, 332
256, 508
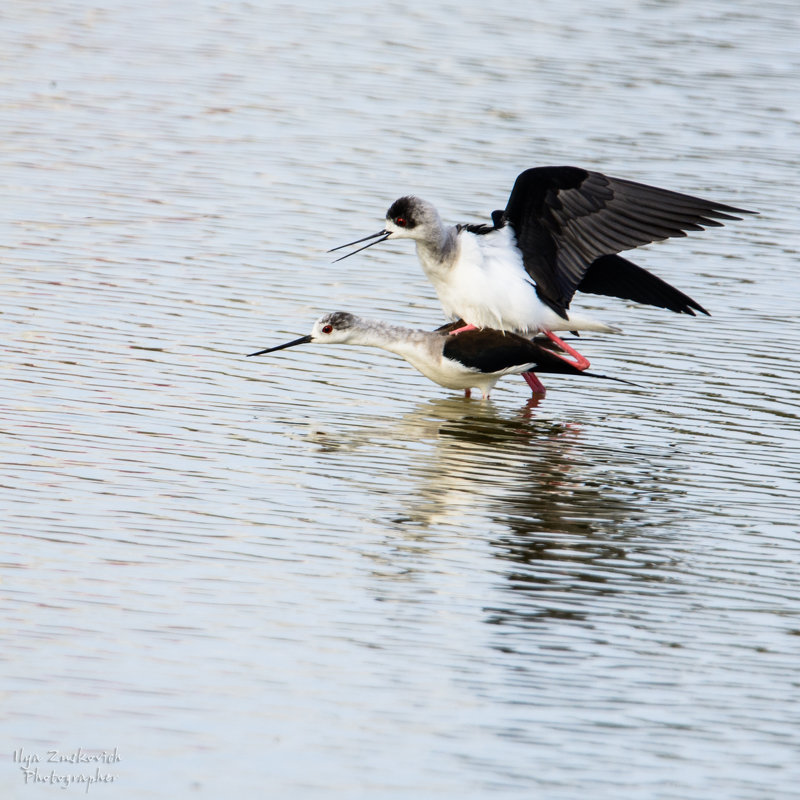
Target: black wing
490, 351
615, 276
566, 217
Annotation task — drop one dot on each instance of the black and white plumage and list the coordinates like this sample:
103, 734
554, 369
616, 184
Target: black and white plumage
476, 358
560, 233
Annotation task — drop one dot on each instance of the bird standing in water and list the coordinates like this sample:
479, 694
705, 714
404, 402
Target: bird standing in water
473, 358
561, 232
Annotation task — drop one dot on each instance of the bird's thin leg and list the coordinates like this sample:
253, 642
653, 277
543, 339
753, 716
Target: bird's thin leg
537, 387
467, 392
580, 362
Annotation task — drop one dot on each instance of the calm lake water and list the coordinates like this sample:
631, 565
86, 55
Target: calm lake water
317, 574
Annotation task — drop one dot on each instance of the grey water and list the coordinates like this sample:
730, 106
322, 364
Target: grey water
316, 573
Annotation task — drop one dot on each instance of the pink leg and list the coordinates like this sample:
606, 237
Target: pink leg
537, 387
462, 329
580, 362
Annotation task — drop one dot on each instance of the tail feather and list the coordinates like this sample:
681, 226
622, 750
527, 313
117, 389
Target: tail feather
611, 378
548, 360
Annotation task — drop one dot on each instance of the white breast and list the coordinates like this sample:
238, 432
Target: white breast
487, 286
425, 353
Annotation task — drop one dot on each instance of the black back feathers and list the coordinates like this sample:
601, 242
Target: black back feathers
491, 351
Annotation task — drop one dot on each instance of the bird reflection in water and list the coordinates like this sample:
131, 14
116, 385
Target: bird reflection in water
568, 517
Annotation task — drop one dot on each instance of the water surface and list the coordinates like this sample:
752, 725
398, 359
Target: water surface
317, 573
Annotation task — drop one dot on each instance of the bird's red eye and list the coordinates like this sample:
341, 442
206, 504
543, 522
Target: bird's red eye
401, 221
327, 328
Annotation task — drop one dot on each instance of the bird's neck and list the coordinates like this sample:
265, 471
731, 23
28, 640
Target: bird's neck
404, 342
437, 253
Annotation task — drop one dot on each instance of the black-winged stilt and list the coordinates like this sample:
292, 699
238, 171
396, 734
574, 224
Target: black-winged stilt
473, 358
560, 232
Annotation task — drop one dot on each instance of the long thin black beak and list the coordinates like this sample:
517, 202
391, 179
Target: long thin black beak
301, 340
384, 234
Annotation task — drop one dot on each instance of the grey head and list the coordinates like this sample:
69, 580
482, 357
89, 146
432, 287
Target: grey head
407, 218
413, 218
338, 327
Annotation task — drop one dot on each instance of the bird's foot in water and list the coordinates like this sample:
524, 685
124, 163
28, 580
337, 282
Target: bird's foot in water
537, 387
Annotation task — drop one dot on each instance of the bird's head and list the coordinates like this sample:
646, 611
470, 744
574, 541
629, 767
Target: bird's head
407, 218
334, 328
338, 327
411, 218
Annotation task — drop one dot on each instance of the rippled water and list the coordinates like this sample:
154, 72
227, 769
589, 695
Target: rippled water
317, 573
